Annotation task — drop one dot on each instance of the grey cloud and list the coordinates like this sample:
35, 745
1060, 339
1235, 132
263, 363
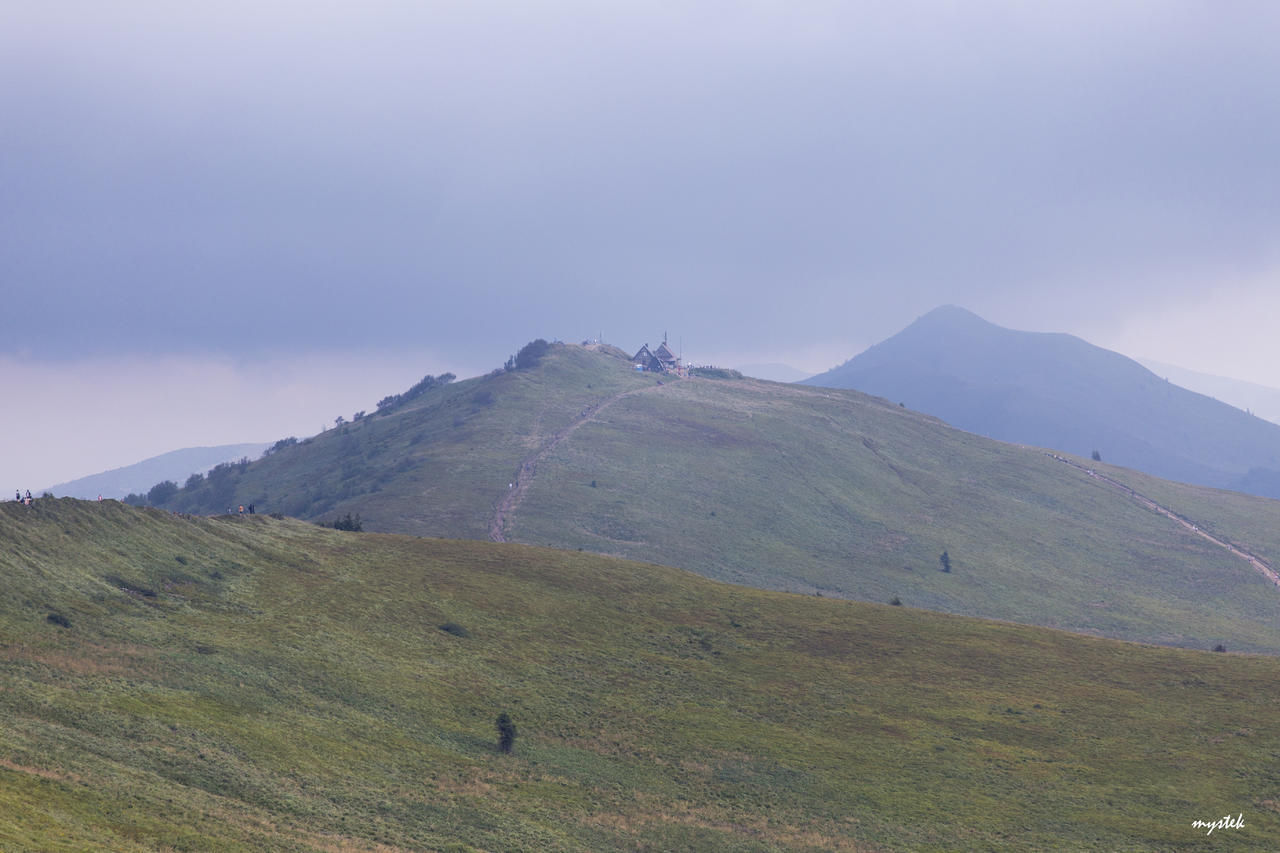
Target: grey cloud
305, 177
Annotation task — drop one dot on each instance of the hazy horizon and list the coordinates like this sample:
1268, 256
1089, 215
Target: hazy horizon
235, 223
1261, 400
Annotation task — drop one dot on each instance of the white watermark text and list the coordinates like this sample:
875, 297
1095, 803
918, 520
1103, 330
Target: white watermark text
1227, 822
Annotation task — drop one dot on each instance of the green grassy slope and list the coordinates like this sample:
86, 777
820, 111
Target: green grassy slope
779, 486
1248, 521
249, 684
435, 466
795, 488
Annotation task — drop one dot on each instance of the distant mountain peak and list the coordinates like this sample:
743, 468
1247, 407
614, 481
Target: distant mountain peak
175, 465
1058, 391
957, 320
952, 313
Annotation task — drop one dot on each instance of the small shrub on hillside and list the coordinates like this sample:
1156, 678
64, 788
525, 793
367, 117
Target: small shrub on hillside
130, 587
1219, 648
715, 373
455, 629
58, 619
386, 404
221, 472
348, 523
1097, 457
530, 354
161, 492
281, 445
506, 732
895, 601
428, 382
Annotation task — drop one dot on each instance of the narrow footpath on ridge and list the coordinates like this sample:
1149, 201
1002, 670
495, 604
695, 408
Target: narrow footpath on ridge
506, 507
1258, 564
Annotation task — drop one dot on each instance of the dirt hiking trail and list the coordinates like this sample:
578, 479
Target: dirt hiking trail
1258, 564
506, 507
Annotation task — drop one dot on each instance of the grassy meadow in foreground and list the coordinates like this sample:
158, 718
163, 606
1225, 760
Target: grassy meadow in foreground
249, 683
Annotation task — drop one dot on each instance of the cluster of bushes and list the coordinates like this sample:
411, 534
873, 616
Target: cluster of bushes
348, 523
281, 445
528, 356
220, 485
715, 373
156, 495
386, 404
217, 489
200, 492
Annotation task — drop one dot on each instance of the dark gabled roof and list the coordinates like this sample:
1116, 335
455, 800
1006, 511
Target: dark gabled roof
643, 354
663, 353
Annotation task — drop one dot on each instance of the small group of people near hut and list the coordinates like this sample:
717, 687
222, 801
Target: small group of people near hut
17, 496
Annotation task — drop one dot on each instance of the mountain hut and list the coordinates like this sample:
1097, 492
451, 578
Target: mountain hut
661, 360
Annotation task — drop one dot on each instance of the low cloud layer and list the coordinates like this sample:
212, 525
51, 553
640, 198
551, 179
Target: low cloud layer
767, 181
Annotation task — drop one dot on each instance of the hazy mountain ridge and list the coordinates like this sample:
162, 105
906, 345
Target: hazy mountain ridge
1055, 390
773, 371
779, 486
1260, 400
175, 465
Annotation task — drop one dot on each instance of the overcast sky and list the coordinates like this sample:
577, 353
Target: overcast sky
232, 222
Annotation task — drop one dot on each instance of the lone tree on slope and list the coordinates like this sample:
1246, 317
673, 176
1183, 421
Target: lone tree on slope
506, 732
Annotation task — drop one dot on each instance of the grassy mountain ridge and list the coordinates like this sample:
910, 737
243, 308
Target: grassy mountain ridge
249, 683
1055, 390
777, 486
433, 466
